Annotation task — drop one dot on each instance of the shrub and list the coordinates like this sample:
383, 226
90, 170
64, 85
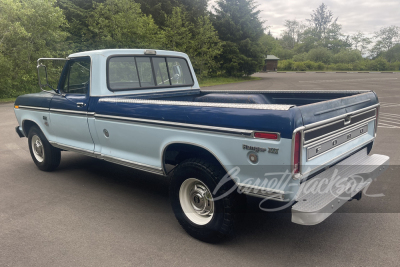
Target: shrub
300, 57
347, 56
285, 65
320, 55
320, 66
299, 66
379, 64
310, 65
343, 67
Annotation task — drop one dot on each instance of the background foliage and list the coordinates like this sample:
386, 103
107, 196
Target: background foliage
229, 39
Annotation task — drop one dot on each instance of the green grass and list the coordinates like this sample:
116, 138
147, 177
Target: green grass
6, 100
223, 80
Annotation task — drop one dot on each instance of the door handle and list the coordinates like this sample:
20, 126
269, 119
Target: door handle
80, 105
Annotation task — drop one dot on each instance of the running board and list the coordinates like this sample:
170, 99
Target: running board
322, 195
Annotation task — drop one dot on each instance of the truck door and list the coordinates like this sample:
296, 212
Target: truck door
68, 111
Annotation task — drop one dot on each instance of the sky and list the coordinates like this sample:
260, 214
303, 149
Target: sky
367, 16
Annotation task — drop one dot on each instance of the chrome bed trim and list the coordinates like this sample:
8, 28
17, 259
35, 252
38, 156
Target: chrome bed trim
197, 104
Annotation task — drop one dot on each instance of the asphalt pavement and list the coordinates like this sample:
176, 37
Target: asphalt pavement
93, 213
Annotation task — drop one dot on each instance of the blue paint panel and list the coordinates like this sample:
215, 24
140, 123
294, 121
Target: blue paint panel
69, 102
41, 100
261, 120
338, 107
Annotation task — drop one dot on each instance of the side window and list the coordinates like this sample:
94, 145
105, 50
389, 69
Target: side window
145, 71
78, 76
122, 73
160, 68
179, 71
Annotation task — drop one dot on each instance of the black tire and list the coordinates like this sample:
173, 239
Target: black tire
209, 173
51, 156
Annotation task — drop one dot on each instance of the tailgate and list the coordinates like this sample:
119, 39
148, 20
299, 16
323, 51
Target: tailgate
334, 129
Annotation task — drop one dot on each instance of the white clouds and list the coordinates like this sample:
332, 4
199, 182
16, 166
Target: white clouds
367, 16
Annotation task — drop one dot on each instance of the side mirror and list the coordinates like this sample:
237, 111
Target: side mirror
42, 74
177, 72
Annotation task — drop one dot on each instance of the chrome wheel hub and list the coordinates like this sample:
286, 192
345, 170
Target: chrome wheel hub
196, 201
37, 148
201, 199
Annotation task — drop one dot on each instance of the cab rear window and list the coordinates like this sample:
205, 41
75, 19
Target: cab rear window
130, 72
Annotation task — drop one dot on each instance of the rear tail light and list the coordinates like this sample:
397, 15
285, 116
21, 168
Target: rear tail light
296, 154
271, 136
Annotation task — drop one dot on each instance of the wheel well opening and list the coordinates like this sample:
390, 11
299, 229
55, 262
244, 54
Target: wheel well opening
176, 153
27, 125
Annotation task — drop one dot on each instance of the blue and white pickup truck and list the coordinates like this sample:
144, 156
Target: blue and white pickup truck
308, 150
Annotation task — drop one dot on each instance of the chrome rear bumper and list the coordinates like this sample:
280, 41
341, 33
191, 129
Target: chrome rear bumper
322, 195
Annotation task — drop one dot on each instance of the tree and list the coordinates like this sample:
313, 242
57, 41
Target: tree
293, 33
269, 43
206, 47
77, 13
393, 54
121, 24
321, 20
387, 37
360, 41
26, 35
178, 32
240, 27
160, 9
320, 54
347, 56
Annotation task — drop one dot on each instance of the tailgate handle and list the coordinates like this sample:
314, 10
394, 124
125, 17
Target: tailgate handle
347, 120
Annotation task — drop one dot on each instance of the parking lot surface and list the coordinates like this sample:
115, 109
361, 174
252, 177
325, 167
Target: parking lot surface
93, 213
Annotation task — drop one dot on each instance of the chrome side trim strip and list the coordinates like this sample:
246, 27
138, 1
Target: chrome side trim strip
206, 128
287, 91
68, 112
247, 133
34, 108
134, 165
156, 92
197, 104
127, 163
73, 149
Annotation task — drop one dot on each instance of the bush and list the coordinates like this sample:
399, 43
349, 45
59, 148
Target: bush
395, 66
299, 66
320, 66
285, 65
343, 67
320, 55
347, 56
300, 57
379, 64
310, 65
